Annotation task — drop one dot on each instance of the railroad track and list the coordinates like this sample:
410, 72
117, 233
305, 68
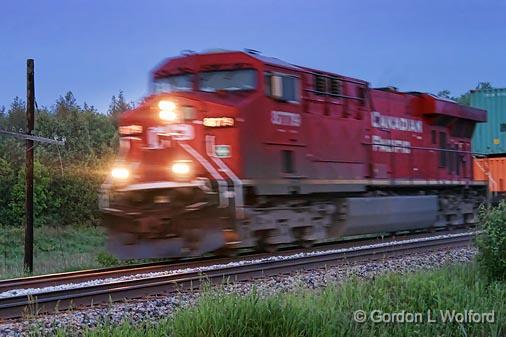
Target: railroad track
51, 280
184, 276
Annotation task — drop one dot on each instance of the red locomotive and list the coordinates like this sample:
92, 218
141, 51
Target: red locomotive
235, 149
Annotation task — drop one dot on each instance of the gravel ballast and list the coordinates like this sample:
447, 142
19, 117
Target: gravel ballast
154, 308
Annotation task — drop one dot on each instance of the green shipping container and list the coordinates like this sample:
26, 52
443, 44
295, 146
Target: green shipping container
490, 137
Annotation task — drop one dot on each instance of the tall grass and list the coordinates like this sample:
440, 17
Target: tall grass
329, 312
55, 249
492, 241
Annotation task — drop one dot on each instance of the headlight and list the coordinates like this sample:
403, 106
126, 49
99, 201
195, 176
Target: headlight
181, 168
167, 105
130, 129
167, 111
166, 115
120, 173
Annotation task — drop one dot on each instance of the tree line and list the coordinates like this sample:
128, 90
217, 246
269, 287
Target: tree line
66, 177
464, 98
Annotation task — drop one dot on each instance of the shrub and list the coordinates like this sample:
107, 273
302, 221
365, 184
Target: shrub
75, 197
492, 241
13, 209
68, 199
107, 260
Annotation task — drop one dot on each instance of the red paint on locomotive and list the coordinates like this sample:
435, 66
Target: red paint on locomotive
257, 126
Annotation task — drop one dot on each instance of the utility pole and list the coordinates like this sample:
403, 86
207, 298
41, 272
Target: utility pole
29, 141
30, 121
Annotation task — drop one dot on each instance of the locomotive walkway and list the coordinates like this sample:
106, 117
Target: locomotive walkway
192, 274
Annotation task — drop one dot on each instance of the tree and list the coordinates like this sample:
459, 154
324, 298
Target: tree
16, 116
118, 106
3, 117
444, 94
66, 106
465, 99
7, 179
484, 86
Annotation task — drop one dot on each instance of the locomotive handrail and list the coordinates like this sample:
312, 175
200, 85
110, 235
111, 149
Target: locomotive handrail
432, 149
335, 95
349, 80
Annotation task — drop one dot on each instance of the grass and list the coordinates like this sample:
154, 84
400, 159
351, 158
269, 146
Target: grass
55, 249
329, 312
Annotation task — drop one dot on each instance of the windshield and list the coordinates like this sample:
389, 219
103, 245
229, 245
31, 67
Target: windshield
230, 80
173, 83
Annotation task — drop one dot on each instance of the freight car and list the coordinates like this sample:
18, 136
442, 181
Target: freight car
493, 171
235, 149
490, 137
489, 140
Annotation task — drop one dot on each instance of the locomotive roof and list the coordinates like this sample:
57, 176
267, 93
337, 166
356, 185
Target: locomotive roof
160, 69
275, 61
433, 105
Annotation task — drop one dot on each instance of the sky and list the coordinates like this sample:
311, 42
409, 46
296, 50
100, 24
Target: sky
95, 48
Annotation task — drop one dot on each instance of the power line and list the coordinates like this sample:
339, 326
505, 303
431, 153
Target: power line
39, 139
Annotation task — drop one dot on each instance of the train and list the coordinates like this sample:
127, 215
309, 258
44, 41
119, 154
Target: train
493, 170
489, 140
237, 150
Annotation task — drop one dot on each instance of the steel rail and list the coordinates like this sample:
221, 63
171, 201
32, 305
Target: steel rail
55, 279
50, 280
26, 305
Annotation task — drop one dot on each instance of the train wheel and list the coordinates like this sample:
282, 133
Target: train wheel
227, 252
266, 247
306, 244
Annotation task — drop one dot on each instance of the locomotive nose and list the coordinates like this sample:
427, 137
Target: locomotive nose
168, 197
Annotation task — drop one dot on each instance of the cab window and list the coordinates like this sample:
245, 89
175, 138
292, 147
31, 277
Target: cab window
228, 80
283, 87
173, 83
